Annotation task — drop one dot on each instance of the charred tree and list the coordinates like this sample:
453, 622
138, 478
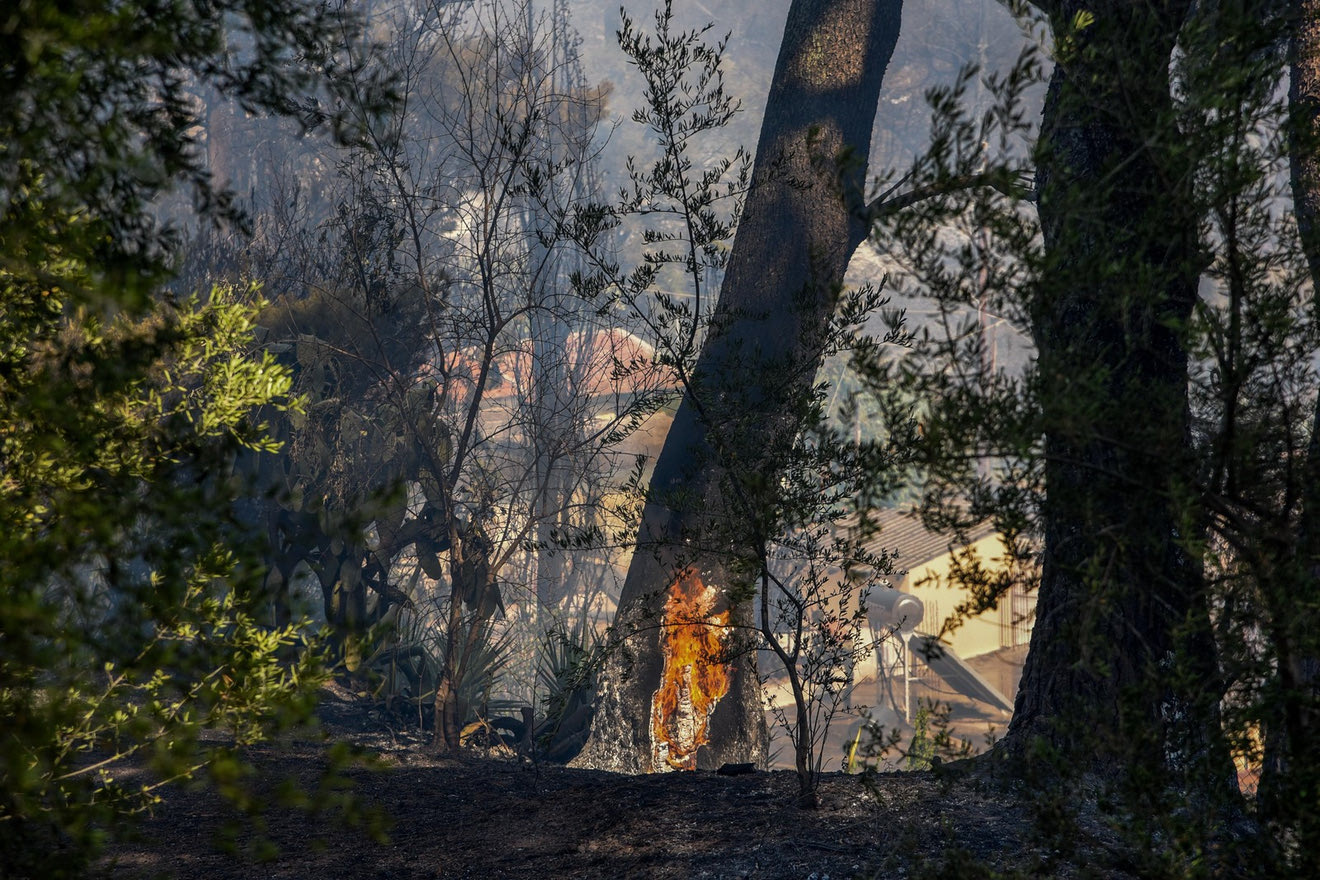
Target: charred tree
710, 505
1121, 664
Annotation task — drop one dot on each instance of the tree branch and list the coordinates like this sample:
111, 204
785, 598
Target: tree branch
1014, 184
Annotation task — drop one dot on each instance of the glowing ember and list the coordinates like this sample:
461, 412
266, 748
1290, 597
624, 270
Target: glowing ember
694, 679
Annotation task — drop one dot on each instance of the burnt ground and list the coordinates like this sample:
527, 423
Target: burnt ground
496, 817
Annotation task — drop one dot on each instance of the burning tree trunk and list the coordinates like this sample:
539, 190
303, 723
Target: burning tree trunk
711, 499
695, 673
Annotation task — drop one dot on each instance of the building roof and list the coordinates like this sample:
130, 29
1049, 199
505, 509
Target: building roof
595, 363
909, 542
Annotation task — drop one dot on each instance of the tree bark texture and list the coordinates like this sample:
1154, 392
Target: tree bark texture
1292, 751
1304, 110
801, 224
1121, 662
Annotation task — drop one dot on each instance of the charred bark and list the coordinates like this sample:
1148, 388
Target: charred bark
1121, 663
802, 222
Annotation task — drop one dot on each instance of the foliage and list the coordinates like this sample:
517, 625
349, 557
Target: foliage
131, 612
689, 213
130, 621
816, 612
566, 674
931, 739
102, 116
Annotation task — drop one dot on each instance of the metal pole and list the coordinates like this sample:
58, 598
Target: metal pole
907, 687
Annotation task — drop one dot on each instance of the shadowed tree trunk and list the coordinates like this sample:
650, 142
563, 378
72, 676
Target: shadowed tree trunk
1304, 109
721, 459
1122, 622
1292, 751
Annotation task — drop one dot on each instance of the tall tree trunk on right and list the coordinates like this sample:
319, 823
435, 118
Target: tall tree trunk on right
1292, 754
714, 478
1121, 612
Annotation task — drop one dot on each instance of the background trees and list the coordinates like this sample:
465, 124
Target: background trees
463, 396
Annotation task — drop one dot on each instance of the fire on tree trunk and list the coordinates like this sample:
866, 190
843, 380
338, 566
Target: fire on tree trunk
696, 672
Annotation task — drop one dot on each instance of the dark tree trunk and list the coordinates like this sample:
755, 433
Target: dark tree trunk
802, 222
1122, 622
474, 601
1304, 110
1292, 750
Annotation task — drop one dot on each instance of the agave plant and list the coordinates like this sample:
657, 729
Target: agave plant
567, 673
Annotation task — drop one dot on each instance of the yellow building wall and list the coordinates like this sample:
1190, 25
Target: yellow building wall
981, 634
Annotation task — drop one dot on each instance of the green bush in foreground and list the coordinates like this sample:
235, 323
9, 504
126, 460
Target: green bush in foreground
128, 620
129, 606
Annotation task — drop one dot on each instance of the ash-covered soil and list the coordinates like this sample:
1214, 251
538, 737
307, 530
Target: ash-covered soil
495, 818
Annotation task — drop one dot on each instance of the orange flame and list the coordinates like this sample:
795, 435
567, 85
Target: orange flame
693, 681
